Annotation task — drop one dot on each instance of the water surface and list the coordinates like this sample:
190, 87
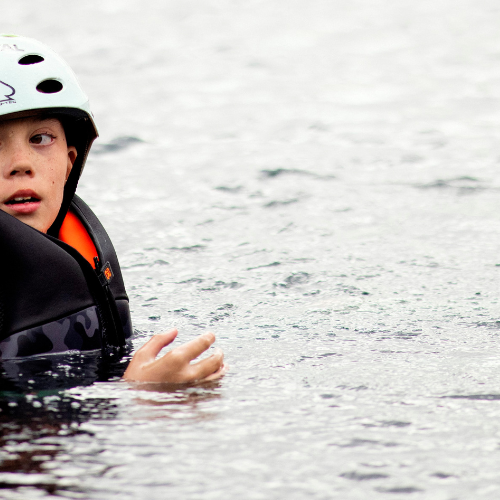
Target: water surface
316, 182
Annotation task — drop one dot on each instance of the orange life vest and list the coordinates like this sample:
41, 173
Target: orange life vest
73, 233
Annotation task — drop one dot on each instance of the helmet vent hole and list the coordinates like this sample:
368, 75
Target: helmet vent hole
49, 86
31, 59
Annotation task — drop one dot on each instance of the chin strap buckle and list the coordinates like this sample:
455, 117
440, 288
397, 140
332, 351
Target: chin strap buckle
104, 273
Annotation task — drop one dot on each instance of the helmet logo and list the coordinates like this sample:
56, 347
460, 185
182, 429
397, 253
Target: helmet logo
7, 92
7, 46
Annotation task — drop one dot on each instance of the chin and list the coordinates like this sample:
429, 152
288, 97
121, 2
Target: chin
34, 223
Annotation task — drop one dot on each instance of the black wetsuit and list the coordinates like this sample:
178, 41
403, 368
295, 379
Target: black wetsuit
52, 299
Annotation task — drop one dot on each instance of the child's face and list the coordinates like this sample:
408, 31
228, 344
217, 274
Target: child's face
35, 163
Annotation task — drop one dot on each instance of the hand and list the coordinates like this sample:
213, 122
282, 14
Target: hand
175, 366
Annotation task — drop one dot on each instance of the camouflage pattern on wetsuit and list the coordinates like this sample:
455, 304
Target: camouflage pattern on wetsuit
79, 331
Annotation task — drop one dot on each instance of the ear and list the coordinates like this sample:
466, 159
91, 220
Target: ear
72, 154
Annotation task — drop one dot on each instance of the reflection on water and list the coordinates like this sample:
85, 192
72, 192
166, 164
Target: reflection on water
38, 416
33, 438
55, 372
43, 405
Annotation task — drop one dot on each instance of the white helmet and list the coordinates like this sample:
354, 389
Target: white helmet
34, 78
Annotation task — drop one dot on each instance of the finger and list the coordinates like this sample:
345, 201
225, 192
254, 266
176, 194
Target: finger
218, 374
155, 344
192, 349
208, 366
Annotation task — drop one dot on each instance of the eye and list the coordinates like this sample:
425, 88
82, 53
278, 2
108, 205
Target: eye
42, 139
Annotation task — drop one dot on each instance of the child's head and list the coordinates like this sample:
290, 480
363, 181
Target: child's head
46, 130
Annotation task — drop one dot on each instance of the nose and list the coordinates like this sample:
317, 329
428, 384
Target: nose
21, 169
20, 163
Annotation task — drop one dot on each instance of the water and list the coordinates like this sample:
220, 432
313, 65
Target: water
316, 182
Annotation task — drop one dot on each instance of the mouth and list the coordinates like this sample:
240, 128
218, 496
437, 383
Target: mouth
23, 202
22, 199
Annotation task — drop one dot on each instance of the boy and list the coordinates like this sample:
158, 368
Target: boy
62, 287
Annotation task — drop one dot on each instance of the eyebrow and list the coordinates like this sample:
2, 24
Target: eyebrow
42, 118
